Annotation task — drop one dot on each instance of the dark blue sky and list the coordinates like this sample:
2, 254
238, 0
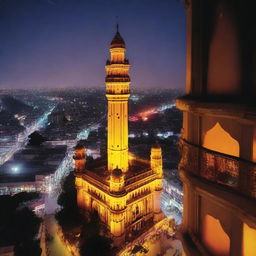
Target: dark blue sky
65, 43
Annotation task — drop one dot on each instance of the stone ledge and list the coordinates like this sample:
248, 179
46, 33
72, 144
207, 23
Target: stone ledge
228, 109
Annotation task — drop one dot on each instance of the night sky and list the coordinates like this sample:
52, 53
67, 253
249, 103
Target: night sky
65, 43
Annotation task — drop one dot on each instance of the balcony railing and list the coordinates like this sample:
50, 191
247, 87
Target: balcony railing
114, 91
126, 61
117, 78
233, 172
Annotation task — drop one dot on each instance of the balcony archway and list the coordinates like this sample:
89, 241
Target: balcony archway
214, 238
218, 139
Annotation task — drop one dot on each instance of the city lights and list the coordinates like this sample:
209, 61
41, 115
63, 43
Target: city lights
144, 147
15, 169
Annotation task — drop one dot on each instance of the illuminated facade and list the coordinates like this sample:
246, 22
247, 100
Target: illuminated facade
218, 142
125, 191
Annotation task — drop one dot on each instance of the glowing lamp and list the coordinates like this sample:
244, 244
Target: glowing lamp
15, 169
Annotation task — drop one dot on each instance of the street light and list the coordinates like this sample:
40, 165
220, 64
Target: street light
15, 169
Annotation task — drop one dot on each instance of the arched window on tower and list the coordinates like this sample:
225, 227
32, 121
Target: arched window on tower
218, 139
214, 237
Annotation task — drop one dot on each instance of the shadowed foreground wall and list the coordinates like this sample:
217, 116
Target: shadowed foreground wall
218, 141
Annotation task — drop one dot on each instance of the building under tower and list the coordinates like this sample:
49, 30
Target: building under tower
124, 191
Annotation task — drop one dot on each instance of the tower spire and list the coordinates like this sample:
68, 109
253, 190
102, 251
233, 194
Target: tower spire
117, 41
117, 24
118, 93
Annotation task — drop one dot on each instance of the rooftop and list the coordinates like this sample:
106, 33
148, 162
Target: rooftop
98, 167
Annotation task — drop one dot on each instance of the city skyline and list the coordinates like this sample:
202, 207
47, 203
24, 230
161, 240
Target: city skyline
103, 151
60, 44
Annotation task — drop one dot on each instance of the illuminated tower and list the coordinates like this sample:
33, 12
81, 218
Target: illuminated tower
117, 203
127, 198
117, 92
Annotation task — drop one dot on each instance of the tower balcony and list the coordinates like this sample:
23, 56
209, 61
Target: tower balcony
125, 61
118, 79
232, 172
113, 91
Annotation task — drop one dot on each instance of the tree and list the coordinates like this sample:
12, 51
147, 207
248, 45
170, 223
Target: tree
19, 225
27, 225
28, 249
97, 246
23, 197
69, 217
36, 139
93, 238
93, 225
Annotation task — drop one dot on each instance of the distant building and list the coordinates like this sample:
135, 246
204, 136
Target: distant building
125, 192
57, 118
172, 199
32, 169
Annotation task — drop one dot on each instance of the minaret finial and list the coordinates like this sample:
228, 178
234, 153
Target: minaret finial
117, 25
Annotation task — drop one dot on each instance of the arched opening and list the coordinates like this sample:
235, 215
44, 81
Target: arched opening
217, 139
214, 237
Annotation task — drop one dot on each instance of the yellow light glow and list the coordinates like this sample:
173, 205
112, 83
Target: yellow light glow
79, 159
214, 237
124, 202
117, 87
219, 140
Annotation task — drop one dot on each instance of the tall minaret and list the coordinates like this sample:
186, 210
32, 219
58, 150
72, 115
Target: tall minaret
117, 92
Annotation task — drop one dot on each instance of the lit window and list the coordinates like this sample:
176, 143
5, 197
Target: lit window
219, 140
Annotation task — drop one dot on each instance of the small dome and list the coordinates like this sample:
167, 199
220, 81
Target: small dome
117, 172
118, 41
79, 146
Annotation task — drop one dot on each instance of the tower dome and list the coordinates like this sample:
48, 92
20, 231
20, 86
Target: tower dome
118, 41
117, 172
117, 181
117, 175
